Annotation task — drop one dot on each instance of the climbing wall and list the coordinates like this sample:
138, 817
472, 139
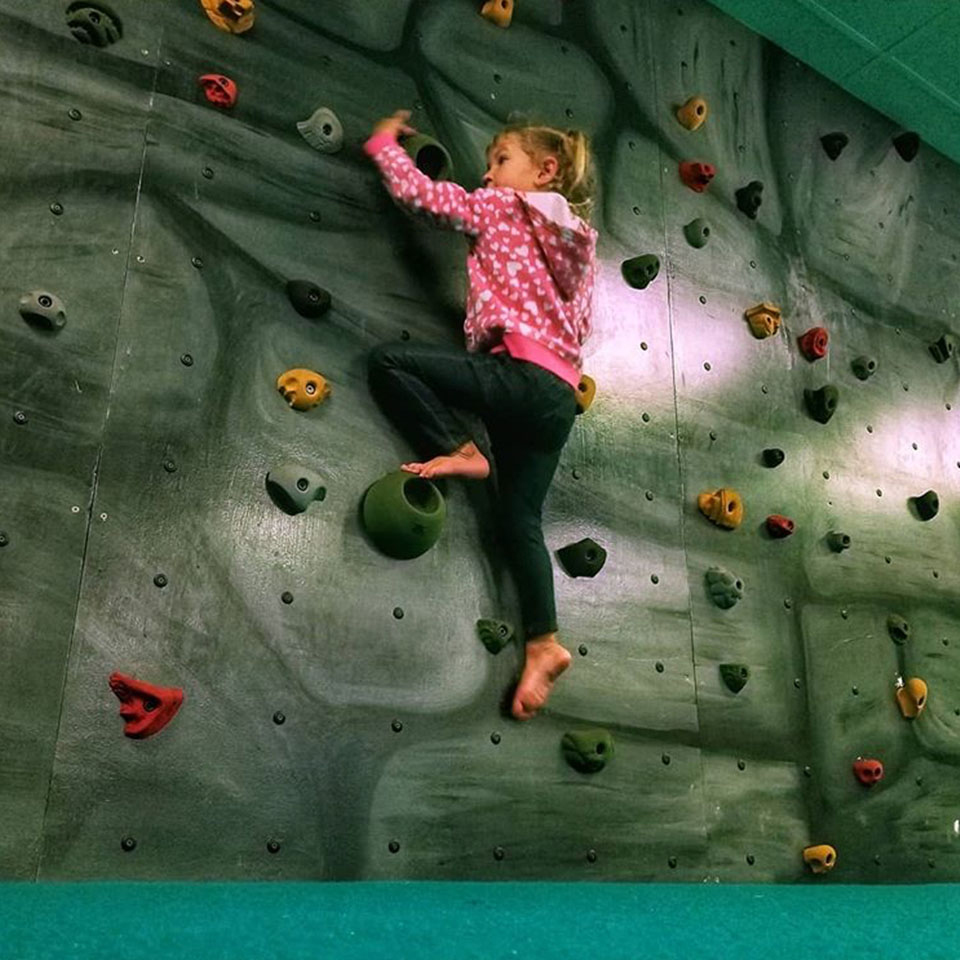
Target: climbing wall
341, 718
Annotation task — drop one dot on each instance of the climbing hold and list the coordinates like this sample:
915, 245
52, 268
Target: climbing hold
146, 709
813, 344
639, 271
403, 514
43, 309
233, 16
898, 628
735, 676
494, 634
911, 697
693, 113
927, 504
696, 175
749, 199
820, 858
587, 750
293, 487
724, 507
944, 348
833, 144
868, 771
726, 589
822, 403
779, 526
429, 155
838, 542
499, 12
864, 367
94, 23
907, 145
586, 391
322, 130
697, 232
764, 319
219, 90
585, 558
302, 388
307, 298
773, 457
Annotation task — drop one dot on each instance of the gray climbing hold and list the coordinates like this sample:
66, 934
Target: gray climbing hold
697, 232
43, 309
294, 487
838, 542
822, 403
494, 634
322, 130
944, 348
898, 629
725, 588
864, 367
735, 676
587, 750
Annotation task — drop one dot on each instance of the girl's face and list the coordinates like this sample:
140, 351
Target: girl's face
510, 166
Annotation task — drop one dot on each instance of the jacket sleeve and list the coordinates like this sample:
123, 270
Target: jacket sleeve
447, 204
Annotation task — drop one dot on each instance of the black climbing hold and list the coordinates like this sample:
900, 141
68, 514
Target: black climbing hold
749, 199
639, 271
898, 628
773, 457
582, 559
943, 349
833, 144
838, 542
725, 587
43, 309
293, 487
429, 155
864, 367
494, 634
907, 145
822, 403
587, 750
403, 514
927, 504
697, 232
307, 298
735, 676
94, 23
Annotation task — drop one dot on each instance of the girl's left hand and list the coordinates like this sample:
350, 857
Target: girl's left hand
395, 125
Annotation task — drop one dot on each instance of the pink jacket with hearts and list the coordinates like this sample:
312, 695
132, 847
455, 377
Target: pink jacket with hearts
531, 263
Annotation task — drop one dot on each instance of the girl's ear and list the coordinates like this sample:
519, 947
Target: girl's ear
548, 170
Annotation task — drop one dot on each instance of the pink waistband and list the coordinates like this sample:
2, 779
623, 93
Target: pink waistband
523, 348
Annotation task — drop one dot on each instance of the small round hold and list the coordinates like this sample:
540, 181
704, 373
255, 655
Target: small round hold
672, 862
160, 580
4, 538
398, 613
396, 726
315, 216
498, 853
665, 759
582, 649
393, 846
751, 859
279, 718
186, 359
494, 738
197, 262
20, 417
658, 666
286, 596
207, 173
128, 844
74, 114
170, 465
56, 208
592, 856
273, 846
741, 765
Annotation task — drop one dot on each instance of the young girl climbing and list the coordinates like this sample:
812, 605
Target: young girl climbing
531, 267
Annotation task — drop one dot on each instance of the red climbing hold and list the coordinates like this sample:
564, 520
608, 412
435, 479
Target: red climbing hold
219, 90
779, 526
146, 709
868, 771
813, 343
696, 175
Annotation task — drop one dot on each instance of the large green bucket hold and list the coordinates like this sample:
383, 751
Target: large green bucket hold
403, 514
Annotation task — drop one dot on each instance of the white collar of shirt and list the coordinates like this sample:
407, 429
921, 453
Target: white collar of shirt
554, 206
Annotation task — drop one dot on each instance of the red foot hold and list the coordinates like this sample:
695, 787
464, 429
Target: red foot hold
779, 526
868, 771
146, 709
813, 343
696, 175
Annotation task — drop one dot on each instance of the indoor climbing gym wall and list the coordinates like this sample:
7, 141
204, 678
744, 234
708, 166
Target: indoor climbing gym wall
236, 646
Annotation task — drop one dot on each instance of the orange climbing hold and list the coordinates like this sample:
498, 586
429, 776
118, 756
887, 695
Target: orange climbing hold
586, 391
693, 113
233, 16
820, 858
764, 319
303, 389
498, 11
724, 507
911, 696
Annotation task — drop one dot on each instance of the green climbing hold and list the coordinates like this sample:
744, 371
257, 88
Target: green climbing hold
588, 750
429, 155
898, 628
585, 558
907, 144
773, 457
822, 403
834, 143
864, 367
735, 676
494, 634
944, 348
725, 588
697, 232
927, 504
293, 487
640, 271
838, 542
403, 514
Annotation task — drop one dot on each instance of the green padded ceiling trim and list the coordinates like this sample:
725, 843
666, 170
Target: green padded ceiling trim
862, 54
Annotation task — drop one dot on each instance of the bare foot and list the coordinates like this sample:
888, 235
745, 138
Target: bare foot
465, 461
546, 660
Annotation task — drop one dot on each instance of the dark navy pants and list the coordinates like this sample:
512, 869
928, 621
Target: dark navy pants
528, 412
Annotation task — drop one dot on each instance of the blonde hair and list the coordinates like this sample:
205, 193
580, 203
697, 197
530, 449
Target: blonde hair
576, 175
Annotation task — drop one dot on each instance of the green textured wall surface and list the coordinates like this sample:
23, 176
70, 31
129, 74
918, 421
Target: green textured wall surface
388, 720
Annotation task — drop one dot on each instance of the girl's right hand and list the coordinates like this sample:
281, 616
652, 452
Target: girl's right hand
395, 125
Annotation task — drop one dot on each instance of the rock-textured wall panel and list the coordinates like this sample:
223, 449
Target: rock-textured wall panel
341, 718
